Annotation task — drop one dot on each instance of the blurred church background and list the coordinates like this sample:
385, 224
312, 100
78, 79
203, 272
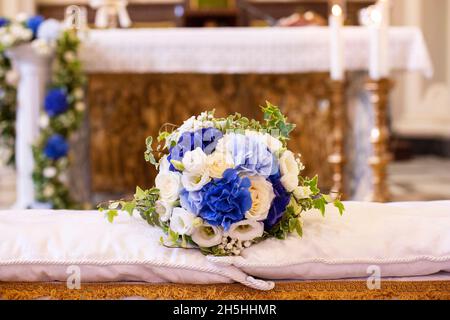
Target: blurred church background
108, 151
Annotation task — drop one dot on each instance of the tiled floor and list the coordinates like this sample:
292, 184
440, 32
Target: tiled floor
417, 180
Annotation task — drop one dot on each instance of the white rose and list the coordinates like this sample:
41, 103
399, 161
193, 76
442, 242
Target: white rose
289, 171
164, 210
169, 185
182, 222
262, 194
271, 142
207, 236
302, 192
246, 230
195, 161
218, 162
195, 181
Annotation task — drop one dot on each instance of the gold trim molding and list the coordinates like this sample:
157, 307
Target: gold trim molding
307, 290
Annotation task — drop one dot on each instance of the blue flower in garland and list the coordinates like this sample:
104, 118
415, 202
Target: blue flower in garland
34, 23
56, 147
279, 204
226, 200
56, 102
205, 138
3, 22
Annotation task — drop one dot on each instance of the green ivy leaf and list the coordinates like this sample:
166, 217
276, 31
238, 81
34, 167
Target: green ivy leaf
338, 204
111, 214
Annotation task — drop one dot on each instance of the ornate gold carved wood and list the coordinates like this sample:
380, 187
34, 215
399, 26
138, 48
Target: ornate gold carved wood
338, 158
125, 108
379, 137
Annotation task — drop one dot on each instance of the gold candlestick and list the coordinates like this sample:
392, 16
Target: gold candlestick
379, 137
337, 158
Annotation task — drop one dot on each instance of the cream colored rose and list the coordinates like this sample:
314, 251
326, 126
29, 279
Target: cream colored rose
246, 230
218, 162
289, 171
169, 185
207, 236
262, 195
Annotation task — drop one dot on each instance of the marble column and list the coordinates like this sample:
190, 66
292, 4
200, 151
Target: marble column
34, 73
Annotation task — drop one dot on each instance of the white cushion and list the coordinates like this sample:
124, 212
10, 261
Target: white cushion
40, 245
403, 239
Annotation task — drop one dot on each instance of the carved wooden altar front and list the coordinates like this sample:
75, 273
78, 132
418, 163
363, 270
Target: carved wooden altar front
125, 108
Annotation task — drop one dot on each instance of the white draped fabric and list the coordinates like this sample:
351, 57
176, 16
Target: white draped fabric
244, 50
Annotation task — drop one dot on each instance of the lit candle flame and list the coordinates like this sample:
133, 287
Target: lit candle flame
336, 10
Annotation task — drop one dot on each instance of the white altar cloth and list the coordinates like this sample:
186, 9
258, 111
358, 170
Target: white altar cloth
397, 239
244, 50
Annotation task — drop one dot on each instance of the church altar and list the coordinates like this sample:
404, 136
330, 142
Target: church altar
158, 71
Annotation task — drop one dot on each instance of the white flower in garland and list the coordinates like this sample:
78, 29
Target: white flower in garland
80, 106
50, 172
207, 236
78, 93
289, 170
169, 185
182, 222
44, 121
246, 230
262, 196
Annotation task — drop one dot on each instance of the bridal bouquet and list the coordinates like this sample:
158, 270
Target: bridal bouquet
225, 184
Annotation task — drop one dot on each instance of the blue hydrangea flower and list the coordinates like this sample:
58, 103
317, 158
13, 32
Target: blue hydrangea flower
34, 23
191, 201
56, 147
3, 22
251, 156
279, 204
56, 102
226, 200
205, 138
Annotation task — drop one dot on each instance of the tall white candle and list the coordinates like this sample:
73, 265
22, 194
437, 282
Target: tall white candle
379, 41
336, 21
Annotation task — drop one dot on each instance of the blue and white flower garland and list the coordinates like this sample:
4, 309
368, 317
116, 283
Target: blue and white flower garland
64, 104
226, 184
